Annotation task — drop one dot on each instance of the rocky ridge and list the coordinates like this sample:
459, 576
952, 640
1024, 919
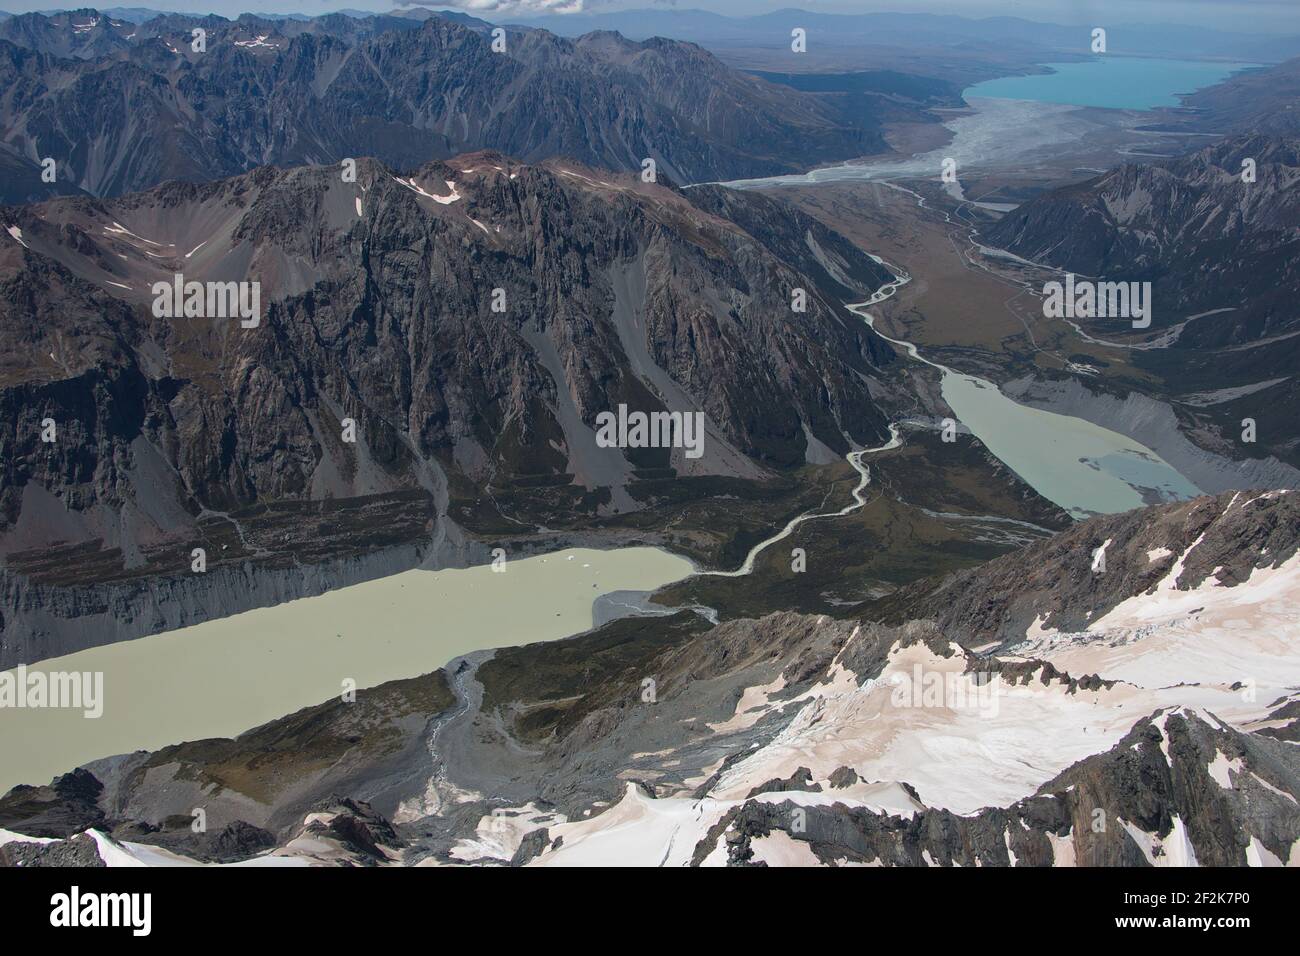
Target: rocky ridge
123, 107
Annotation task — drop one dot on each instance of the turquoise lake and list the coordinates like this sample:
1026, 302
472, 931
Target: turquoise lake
1131, 83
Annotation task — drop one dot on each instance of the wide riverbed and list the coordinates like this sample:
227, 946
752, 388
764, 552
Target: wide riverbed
1016, 120
223, 677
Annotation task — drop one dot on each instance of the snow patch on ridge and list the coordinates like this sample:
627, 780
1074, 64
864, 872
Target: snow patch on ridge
944, 750
1219, 769
416, 188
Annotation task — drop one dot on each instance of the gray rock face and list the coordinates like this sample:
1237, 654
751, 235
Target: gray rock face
66, 806
355, 827
378, 309
77, 851
404, 92
533, 843
237, 840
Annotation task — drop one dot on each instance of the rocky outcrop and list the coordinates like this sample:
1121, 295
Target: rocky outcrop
354, 828
77, 851
235, 841
66, 806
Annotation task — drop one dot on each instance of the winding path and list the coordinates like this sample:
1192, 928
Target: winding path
854, 458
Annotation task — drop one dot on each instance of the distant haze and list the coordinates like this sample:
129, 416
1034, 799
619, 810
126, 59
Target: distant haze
1263, 16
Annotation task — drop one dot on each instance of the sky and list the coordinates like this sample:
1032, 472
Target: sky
1262, 16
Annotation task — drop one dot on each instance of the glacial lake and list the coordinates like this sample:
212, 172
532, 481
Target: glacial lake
1114, 82
222, 677
1081, 467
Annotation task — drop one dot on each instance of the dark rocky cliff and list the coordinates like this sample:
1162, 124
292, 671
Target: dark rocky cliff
175, 433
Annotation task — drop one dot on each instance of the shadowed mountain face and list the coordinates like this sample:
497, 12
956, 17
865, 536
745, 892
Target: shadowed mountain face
131, 113
1192, 226
20, 179
1221, 254
420, 339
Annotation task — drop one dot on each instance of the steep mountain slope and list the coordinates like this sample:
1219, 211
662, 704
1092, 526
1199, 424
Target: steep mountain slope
1221, 254
20, 180
1205, 238
471, 322
270, 92
1158, 737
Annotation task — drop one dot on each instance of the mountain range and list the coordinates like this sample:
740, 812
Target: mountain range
444, 252
907, 29
122, 106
